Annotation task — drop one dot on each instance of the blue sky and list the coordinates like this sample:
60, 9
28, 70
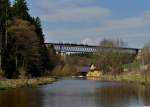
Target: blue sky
90, 21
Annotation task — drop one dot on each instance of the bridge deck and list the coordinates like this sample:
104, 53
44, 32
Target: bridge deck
66, 47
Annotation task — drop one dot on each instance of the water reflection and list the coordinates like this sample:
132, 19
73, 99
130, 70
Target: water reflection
81, 93
77, 93
26, 97
123, 96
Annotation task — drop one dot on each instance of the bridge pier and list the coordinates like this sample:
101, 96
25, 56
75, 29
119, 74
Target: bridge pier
63, 55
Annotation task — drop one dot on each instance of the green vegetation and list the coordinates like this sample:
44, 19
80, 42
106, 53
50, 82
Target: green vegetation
106, 59
22, 45
65, 70
23, 53
18, 83
114, 65
134, 66
111, 60
132, 77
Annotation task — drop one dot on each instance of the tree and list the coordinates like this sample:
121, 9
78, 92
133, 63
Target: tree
1, 29
145, 59
20, 9
21, 41
109, 58
25, 51
5, 15
112, 43
146, 54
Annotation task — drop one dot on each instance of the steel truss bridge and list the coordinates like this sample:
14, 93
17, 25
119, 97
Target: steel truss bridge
81, 48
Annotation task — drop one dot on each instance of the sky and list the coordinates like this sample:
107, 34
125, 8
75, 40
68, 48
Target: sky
91, 21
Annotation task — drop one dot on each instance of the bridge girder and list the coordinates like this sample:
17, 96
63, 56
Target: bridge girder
80, 48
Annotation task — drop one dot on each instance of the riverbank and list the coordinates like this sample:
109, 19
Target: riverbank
17, 83
132, 77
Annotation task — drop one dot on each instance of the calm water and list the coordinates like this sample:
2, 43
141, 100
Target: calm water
77, 93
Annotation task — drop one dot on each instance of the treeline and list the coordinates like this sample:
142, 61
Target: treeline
22, 48
106, 59
111, 60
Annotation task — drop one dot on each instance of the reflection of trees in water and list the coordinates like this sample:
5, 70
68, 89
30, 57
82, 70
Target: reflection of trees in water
115, 96
21, 98
146, 95
122, 96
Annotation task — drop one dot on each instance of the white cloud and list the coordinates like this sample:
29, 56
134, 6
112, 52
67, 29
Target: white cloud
130, 23
48, 4
131, 29
100, 26
67, 10
76, 14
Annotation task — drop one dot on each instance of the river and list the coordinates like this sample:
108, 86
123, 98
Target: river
77, 93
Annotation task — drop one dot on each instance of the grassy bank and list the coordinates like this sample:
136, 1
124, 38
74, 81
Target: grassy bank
131, 78
16, 83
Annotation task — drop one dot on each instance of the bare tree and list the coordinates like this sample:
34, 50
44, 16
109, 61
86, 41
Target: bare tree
112, 43
145, 59
110, 58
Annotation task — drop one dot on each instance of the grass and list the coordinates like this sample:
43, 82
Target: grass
131, 78
16, 83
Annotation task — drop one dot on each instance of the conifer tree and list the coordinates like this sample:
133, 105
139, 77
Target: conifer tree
20, 9
43, 51
39, 29
5, 13
21, 41
1, 20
